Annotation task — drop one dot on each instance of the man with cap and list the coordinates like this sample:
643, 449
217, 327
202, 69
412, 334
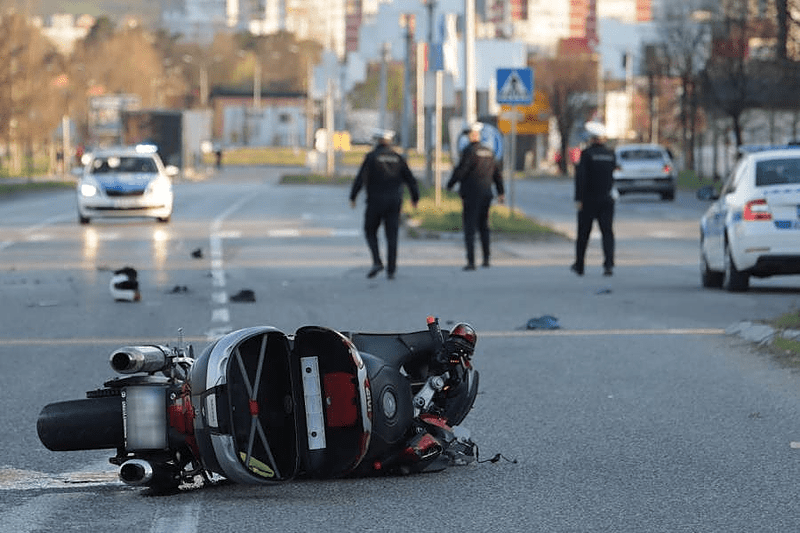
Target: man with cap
594, 200
477, 169
383, 173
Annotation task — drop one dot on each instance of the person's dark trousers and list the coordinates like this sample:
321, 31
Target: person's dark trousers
387, 212
475, 216
603, 212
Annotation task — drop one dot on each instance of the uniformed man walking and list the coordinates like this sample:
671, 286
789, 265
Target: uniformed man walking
594, 200
383, 173
477, 169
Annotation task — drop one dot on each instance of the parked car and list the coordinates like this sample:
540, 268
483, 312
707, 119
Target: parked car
753, 226
645, 168
125, 182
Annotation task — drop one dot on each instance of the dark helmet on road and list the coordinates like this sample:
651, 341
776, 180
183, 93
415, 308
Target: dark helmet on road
462, 340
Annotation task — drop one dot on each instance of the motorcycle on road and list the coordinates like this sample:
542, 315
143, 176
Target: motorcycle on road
262, 407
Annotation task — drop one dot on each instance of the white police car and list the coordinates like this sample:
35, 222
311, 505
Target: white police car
753, 227
126, 182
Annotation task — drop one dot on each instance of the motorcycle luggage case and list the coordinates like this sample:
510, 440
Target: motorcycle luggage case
270, 407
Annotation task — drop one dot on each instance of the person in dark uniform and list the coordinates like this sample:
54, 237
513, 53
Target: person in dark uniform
594, 198
477, 169
383, 173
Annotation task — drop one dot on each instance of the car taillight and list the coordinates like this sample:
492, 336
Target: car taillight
667, 169
756, 210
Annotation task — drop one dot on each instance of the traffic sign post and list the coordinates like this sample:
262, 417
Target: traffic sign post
514, 87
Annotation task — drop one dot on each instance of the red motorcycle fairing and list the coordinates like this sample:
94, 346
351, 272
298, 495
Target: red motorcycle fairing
269, 407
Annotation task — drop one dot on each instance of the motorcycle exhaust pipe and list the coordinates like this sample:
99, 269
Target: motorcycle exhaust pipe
133, 359
136, 472
141, 473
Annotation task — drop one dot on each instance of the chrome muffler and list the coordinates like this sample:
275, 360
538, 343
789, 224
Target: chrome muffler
136, 472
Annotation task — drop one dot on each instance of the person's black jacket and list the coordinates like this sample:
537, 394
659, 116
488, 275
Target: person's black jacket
594, 176
476, 171
384, 172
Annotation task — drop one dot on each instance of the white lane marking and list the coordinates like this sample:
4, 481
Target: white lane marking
346, 233
220, 316
219, 297
289, 232
184, 519
33, 230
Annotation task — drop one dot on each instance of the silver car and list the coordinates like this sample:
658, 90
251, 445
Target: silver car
645, 168
125, 182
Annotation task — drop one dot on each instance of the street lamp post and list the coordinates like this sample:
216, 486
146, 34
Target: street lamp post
470, 102
407, 21
431, 5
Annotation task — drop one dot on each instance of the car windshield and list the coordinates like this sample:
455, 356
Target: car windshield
103, 165
777, 172
639, 154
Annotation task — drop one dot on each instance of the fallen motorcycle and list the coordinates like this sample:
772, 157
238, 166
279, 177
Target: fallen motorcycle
260, 407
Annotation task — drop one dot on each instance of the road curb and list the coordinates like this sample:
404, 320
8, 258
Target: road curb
761, 334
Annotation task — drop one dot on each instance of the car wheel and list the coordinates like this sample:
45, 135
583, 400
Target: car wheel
710, 278
669, 196
732, 279
83, 220
165, 219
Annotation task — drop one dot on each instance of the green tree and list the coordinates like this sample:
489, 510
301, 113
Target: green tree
365, 95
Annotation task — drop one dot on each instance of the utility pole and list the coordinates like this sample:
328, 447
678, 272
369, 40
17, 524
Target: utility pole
470, 102
429, 127
407, 21
383, 86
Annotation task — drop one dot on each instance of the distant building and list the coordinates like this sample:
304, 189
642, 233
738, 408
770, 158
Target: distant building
64, 30
279, 119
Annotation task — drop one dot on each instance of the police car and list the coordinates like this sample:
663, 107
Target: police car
125, 182
753, 226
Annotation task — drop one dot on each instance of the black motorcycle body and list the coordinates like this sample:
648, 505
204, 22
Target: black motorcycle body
262, 407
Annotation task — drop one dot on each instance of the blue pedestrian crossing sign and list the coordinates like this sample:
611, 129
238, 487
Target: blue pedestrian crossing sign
514, 86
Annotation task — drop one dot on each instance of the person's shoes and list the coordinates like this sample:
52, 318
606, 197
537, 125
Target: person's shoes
607, 271
577, 269
469, 267
485, 263
390, 275
374, 271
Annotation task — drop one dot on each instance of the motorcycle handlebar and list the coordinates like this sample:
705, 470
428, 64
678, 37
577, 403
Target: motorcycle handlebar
438, 339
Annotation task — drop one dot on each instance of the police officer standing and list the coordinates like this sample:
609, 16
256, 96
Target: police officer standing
477, 169
383, 173
594, 199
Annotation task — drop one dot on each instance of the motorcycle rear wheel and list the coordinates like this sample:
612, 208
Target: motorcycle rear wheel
90, 424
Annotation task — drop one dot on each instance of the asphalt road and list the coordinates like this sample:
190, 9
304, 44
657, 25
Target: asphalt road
639, 414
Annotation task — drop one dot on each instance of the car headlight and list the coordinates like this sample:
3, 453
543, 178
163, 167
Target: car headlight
159, 187
88, 189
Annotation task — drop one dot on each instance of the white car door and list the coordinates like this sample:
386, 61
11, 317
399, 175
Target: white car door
717, 219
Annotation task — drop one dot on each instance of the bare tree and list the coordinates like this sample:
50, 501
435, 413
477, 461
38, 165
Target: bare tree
29, 88
734, 82
569, 82
684, 34
125, 61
